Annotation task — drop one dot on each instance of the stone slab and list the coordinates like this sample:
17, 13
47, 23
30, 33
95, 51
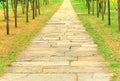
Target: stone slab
81, 53
38, 77
41, 63
46, 58
69, 69
40, 54
43, 50
90, 58
100, 76
88, 63
24, 69
84, 48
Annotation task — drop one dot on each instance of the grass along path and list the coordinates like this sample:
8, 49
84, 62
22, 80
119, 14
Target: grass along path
106, 37
11, 45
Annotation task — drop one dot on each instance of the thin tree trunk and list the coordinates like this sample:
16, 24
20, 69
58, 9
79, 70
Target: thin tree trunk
92, 7
27, 20
38, 6
33, 7
109, 20
15, 12
88, 5
7, 18
102, 6
97, 8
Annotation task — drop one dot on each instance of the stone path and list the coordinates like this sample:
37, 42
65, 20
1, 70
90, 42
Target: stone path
63, 51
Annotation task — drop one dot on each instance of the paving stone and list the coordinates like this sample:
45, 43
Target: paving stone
38, 77
78, 36
84, 48
88, 63
91, 58
49, 38
46, 58
67, 44
55, 23
81, 53
69, 69
89, 45
83, 41
46, 51
24, 69
39, 54
40, 49
38, 45
101, 76
41, 63
81, 38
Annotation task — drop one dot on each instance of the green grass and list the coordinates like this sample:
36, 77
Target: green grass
11, 45
106, 37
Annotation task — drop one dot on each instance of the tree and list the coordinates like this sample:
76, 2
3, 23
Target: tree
88, 5
109, 13
27, 4
97, 8
7, 18
14, 8
33, 8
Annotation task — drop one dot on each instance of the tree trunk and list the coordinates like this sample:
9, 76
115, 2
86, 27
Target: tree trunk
97, 8
102, 6
27, 20
92, 7
15, 12
109, 20
7, 18
38, 6
88, 5
33, 8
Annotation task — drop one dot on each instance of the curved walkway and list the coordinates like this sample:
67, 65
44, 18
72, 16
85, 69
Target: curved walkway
63, 51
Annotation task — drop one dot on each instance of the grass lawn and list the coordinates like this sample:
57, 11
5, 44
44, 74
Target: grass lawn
11, 45
106, 37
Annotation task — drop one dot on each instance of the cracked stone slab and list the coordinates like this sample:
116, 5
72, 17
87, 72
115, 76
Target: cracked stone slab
38, 77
